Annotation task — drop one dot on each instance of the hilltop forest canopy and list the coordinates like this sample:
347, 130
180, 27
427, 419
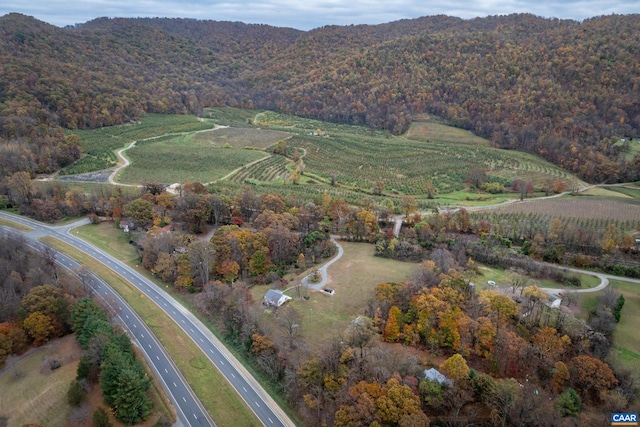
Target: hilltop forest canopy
565, 90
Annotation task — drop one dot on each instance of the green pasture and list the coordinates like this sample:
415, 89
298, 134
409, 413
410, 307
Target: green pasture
626, 345
628, 190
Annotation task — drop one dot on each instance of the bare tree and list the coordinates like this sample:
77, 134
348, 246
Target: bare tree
289, 319
518, 280
201, 256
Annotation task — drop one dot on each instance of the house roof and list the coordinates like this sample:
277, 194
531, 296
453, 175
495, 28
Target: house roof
434, 375
275, 297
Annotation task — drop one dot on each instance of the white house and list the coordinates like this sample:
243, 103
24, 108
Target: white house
275, 298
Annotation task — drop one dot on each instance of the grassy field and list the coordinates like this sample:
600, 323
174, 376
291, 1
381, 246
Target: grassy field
428, 129
24, 400
626, 346
625, 338
180, 159
353, 277
502, 279
216, 394
239, 138
99, 145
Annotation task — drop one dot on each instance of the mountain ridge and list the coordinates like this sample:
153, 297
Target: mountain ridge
560, 89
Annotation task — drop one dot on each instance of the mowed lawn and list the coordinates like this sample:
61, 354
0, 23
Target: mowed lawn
625, 338
354, 278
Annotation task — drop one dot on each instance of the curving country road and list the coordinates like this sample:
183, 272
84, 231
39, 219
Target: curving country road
247, 387
323, 270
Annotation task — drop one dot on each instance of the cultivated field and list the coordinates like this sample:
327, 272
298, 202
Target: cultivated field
358, 157
253, 138
427, 129
592, 209
431, 157
179, 159
99, 145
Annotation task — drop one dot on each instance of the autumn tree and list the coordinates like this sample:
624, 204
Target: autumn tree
39, 327
591, 376
140, 211
550, 343
455, 368
392, 328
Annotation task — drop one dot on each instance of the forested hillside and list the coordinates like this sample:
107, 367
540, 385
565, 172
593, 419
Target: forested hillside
565, 90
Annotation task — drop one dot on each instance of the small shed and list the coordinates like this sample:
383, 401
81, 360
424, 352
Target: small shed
275, 298
434, 375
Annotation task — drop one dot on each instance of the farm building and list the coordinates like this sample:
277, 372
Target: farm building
434, 375
275, 298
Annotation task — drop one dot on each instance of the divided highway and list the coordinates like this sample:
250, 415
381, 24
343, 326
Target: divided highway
190, 409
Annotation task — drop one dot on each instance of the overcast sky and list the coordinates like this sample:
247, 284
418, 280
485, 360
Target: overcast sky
309, 14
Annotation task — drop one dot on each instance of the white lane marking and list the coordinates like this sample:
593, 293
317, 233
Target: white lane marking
157, 358
194, 416
221, 362
201, 340
185, 400
233, 375
245, 390
126, 315
165, 369
270, 420
142, 335
192, 331
175, 385
149, 345
257, 404
135, 326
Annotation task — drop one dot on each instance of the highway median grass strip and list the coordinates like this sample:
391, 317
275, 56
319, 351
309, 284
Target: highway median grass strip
220, 399
17, 226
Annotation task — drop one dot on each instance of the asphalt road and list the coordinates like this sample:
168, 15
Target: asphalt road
192, 413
